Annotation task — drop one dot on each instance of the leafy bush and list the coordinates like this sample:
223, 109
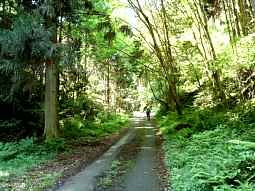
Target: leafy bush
104, 124
83, 107
115, 123
57, 144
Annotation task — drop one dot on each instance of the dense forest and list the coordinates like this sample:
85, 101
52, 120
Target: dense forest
72, 73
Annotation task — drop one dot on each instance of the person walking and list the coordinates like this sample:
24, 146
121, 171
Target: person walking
148, 113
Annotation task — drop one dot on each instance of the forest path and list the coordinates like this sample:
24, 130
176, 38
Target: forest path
142, 176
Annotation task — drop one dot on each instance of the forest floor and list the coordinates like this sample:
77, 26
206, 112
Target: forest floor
54, 172
137, 166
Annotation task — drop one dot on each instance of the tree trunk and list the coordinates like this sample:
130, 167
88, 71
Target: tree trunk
238, 30
108, 86
162, 50
253, 7
3, 8
215, 73
51, 86
51, 130
243, 20
230, 31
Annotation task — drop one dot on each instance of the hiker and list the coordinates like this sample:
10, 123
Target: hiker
148, 112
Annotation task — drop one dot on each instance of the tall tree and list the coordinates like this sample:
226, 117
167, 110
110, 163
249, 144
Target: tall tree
51, 87
160, 44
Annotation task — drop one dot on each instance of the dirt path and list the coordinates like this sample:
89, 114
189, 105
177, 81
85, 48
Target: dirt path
130, 165
138, 167
144, 175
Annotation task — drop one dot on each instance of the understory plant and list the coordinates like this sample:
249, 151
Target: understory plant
208, 151
104, 124
16, 158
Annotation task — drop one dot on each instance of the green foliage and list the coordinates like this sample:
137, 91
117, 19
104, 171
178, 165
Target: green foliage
55, 145
114, 123
18, 157
82, 107
44, 182
205, 157
28, 40
23, 49
76, 127
105, 124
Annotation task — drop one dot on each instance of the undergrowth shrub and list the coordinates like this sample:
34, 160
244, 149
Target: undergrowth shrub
103, 125
56, 145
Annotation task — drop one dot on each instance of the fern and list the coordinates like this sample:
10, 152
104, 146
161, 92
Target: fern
211, 160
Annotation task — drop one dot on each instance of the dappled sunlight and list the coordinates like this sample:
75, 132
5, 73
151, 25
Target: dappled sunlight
4, 174
142, 114
144, 127
136, 120
139, 114
147, 148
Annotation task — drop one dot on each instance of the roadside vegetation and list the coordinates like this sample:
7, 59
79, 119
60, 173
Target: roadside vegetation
210, 150
211, 145
29, 164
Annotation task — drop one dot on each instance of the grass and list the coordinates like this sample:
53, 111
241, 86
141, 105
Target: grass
202, 156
